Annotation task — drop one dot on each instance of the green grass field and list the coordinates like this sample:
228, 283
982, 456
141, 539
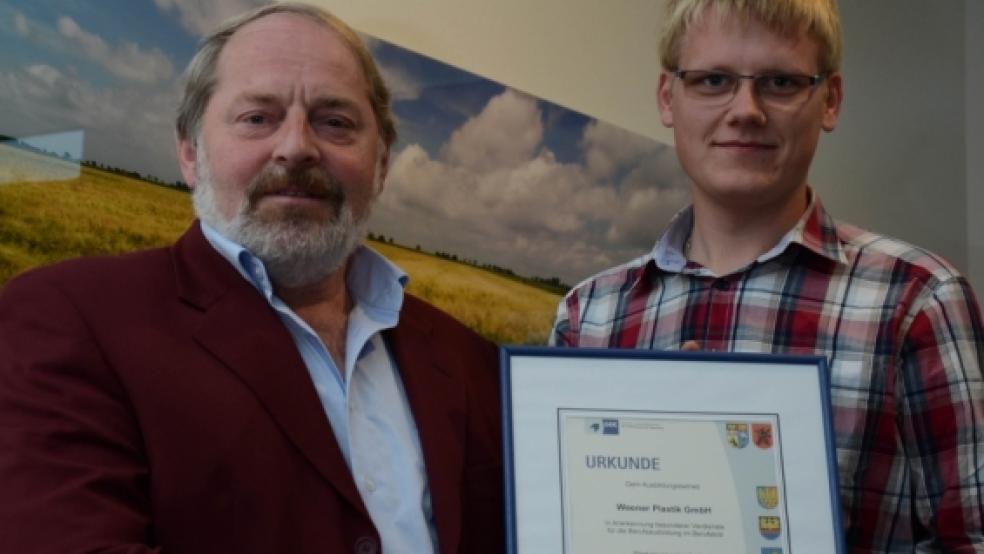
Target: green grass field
43, 221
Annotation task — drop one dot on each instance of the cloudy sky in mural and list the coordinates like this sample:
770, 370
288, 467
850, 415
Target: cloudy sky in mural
480, 170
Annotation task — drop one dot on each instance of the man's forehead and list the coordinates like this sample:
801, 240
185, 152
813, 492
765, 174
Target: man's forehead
288, 46
720, 33
294, 38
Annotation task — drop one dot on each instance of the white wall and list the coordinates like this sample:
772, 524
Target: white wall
975, 141
594, 56
907, 158
897, 162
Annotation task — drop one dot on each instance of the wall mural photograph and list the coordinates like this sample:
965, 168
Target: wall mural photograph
495, 203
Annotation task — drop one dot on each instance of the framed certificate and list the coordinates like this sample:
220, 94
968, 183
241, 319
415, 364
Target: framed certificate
643, 452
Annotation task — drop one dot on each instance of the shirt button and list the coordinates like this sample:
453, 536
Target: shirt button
370, 485
366, 545
722, 284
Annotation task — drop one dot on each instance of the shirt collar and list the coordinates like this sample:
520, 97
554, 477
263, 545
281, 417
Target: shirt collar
668, 253
815, 231
375, 283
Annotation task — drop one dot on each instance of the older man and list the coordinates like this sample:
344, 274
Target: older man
264, 385
757, 265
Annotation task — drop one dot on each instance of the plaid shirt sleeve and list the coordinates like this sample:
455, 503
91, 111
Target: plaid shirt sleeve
940, 397
561, 333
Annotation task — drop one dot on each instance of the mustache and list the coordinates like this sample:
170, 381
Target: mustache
315, 182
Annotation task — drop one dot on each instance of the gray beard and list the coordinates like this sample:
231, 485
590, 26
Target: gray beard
295, 250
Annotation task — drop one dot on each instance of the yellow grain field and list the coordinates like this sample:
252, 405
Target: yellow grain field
501, 309
43, 221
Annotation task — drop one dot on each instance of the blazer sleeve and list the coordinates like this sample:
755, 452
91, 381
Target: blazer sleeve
73, 473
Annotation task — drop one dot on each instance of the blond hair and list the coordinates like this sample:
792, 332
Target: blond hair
820, 18
200, 77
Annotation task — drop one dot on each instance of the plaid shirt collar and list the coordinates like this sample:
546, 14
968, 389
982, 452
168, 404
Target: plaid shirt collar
814, 231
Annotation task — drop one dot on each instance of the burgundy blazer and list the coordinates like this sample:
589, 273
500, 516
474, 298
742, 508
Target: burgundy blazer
154, 402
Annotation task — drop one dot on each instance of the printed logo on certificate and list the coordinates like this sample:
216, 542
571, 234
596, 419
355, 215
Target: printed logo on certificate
671, 482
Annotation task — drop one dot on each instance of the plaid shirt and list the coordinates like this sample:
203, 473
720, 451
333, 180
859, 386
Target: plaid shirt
902, 334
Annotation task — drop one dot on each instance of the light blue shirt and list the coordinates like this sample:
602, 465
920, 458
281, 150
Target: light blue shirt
367, 408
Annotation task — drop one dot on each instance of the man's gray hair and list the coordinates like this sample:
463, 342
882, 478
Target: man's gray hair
200, 77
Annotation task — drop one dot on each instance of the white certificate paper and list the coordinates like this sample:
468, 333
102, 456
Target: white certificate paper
687, 482
639, 452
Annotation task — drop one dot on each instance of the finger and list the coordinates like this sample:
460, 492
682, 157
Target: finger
690, 346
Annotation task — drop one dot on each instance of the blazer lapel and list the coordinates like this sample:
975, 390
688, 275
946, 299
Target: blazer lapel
246, 335
438, 404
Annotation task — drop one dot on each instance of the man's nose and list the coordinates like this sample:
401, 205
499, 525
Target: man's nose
297, 144
746, 105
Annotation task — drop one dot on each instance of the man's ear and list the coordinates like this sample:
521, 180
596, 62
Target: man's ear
664, 98
832, 103
383, 169
188, 160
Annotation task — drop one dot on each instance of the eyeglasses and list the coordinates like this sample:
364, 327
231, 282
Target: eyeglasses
715, 88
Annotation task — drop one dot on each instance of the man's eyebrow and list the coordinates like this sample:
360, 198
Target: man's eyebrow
319, 103
257, 98
332, 102
773, 69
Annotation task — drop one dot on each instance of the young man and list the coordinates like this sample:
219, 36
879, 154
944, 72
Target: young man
757, 265
264, 385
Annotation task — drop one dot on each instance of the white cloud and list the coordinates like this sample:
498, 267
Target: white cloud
641, 213
21, 24
200, 17
402, 85
536, 196
127, 60
608, 148
506, 133
652, 188
44, 73
126, 126
495, 189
